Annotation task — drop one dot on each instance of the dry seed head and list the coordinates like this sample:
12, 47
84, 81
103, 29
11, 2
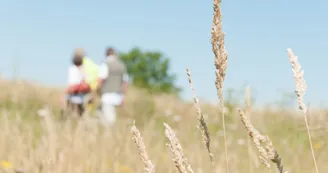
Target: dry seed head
218, 48
138, 140
300, 89
256, 137
263, 145
178, 157
201, 122
220, 62
300, 84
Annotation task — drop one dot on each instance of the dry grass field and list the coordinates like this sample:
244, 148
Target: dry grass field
164, 137
46, 144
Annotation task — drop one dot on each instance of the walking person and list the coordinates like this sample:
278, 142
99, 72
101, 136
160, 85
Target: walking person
77, 87
90, 68
82, 80
113, 82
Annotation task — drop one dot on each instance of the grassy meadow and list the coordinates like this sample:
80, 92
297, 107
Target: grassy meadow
32, 143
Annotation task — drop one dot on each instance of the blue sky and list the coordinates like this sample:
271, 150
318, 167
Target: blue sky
38, 38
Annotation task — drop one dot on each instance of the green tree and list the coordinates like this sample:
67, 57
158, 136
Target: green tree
150, 70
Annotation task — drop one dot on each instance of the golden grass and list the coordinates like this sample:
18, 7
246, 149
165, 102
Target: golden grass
221, 61
262, 143
149, 167
300, 89
33, 143
201, 122
29, 143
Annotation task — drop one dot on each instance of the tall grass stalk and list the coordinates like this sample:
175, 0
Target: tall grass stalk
300, 89
263, 144
180, 161
201, 122
221, 60
138, 140
248, 103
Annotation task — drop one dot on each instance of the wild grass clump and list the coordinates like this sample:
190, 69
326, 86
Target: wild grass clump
262, 143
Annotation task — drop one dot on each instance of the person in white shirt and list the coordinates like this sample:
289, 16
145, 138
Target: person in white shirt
77, 88
113, 81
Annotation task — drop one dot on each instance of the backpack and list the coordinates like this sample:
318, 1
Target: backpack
91, 73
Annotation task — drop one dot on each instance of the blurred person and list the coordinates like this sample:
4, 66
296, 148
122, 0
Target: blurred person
113, 82
90, 68
82, 80
77, 86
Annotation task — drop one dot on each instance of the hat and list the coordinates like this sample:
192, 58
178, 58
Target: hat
79, 52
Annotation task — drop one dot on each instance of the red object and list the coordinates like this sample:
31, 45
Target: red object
84, 87
72, 89
80, 88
